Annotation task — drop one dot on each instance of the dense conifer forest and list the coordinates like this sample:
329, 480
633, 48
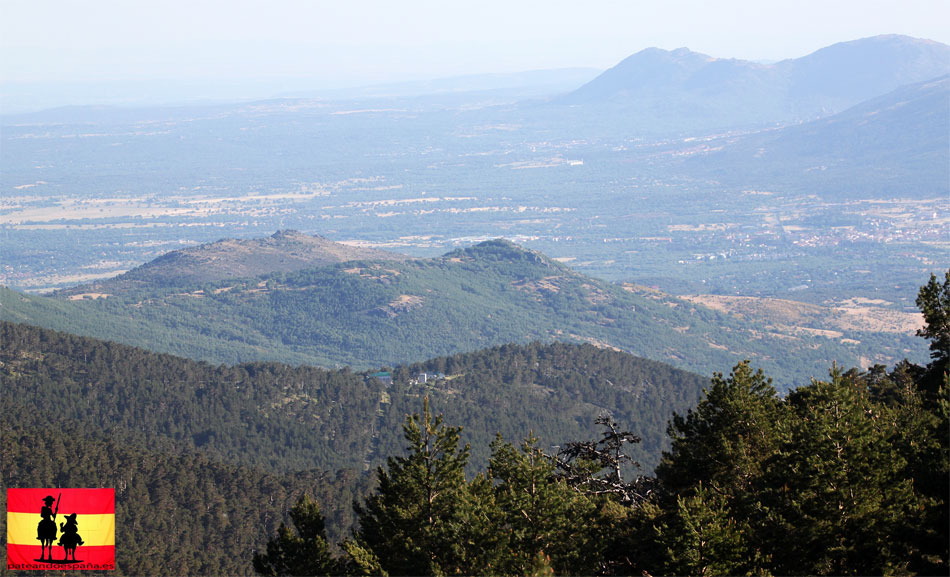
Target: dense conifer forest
207, 460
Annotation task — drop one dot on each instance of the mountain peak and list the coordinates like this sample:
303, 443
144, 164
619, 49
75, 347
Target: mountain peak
650, 73
683, 52
857, 70
682, 87
501, 250
680, 56
283, 251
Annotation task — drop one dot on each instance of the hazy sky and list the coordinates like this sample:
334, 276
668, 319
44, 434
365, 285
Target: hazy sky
355, 42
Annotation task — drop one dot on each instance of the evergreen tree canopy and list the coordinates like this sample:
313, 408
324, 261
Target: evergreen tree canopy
540, 515
304, 552
413, 523
842, 477
727, 439
839, 484
933, 300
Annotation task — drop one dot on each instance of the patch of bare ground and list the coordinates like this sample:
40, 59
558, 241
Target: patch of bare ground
857, 314
878, 319
374, 272
547, 284
92, 296
406, 302
595, 295
641, 289
774, 335
541, 390
596, 342
810, 331
199, 294
399, 305
776, 311
261, 287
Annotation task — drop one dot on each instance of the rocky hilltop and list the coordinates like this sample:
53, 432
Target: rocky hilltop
284, 251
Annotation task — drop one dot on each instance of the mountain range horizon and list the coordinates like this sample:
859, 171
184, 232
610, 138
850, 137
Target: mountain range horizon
568, 81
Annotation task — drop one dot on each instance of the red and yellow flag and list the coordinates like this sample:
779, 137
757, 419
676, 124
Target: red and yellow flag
78, 514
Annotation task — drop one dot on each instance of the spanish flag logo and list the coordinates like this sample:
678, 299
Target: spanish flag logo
61, 529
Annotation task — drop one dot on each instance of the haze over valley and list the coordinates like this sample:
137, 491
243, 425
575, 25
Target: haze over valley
776, 200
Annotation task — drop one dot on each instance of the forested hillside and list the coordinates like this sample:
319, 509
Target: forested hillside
368, 313
289, 419
207, 459
845, 476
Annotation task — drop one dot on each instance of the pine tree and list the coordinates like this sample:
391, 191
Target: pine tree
840, 485
701, 536
540, 515
304, 552
933, 300
727, 439
415, 522
922, 439
722, 449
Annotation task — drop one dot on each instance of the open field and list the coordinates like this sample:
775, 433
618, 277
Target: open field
871, 315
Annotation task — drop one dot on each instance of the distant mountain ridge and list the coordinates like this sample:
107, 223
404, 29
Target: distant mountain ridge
898, 141
712, 92
851, 72
284, 251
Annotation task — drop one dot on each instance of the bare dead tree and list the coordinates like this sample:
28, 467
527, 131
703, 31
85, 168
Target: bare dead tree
597, 467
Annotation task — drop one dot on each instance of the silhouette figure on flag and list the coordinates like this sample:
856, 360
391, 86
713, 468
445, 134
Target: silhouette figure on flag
46, 529
70, 538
